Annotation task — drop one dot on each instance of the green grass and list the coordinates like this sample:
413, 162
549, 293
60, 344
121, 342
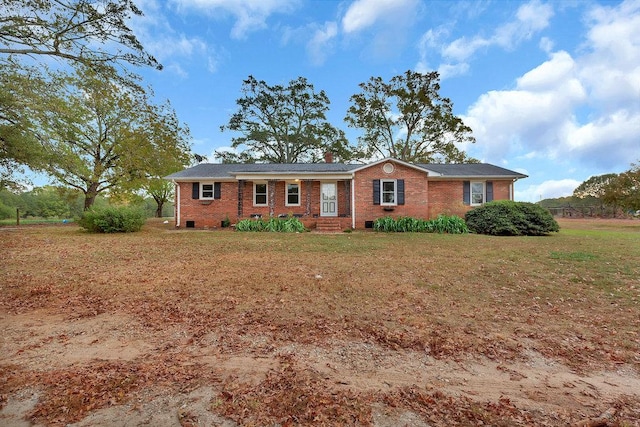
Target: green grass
573, 256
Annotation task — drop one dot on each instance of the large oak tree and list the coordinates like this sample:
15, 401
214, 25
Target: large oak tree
408, 119
90, 33
283, 124
94, 33
95, 135
17, 143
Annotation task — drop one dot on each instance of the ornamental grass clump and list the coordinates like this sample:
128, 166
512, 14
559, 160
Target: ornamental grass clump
442, 224
279, 225
112, 220
508, 218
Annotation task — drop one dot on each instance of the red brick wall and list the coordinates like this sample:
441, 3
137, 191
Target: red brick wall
501, 190
416, 189
423, 199
445, 197
208, 213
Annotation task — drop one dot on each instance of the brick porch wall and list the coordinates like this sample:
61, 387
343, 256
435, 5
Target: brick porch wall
211, 213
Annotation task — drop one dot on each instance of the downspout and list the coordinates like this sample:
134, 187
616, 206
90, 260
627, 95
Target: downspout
177, 203
353, 204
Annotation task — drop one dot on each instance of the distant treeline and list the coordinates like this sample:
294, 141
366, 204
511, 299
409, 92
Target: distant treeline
51, 202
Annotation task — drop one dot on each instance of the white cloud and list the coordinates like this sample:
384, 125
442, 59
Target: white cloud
609, 141
175, 45
320, 44
546, 44
582, 111
546, 190
250, 15
176, 69
611, 68
387, 24
160, 39
451, 70
529, 19
557, 71
363, 14
533, 115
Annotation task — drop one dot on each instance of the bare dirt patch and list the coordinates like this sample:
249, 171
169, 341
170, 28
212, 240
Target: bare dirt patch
206, 328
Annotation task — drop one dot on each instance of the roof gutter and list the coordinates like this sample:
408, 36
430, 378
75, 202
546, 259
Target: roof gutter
448, 177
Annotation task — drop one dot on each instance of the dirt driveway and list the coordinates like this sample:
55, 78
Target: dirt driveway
115, 347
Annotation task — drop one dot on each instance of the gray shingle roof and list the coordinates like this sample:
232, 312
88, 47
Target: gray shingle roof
471, 170
228, 171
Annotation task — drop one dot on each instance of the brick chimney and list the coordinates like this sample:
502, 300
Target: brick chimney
328, 157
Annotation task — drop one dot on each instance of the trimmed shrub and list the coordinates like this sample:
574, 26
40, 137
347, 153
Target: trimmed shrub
442, 224
280, 225
112, 220
508, 218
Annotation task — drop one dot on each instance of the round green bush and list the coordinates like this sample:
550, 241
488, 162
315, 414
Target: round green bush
112, 220
507, 218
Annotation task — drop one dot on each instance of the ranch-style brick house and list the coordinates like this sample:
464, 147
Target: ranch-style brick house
334, 196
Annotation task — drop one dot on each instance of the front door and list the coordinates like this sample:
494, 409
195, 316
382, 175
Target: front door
328, 199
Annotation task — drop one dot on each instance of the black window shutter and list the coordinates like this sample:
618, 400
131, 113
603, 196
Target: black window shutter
216, 190
466, 192
489, 189
400, 191
195, 190
376, 191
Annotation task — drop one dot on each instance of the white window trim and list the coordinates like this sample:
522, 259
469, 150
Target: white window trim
395, 192
484, 193
266, 185
286, 193
213, 190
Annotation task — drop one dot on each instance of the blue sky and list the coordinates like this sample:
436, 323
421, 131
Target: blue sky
550, 89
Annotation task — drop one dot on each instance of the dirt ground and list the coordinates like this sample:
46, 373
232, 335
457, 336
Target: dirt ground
43, 340
78, 364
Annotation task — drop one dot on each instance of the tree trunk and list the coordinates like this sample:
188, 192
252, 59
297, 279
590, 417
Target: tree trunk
90, 195
159, 209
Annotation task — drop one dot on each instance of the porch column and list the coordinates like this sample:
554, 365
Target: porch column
308, 184
272, 196
240, 198
347, 198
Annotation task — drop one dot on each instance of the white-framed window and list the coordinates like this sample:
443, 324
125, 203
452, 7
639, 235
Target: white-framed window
260, 196
292, 194
388, 192
477, 193
207, 190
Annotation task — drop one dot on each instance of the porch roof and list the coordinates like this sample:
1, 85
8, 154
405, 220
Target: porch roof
267, 170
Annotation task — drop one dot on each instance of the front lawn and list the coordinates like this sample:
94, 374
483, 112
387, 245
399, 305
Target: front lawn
360, 328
